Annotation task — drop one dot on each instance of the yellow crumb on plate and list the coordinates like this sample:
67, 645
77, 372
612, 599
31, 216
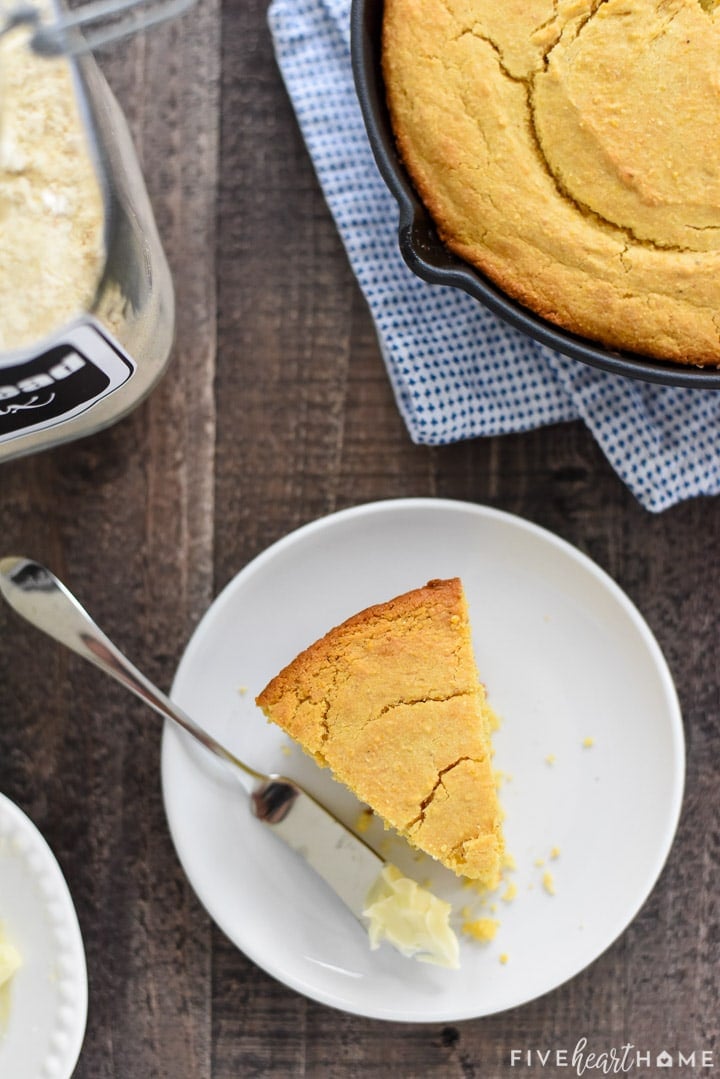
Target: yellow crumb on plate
483, 929
548, 882
363, 820
510, 892
503, 957
555, 853
509, 861
539, 861
588, 743
494, 719
242, 690
476, 886
550, 759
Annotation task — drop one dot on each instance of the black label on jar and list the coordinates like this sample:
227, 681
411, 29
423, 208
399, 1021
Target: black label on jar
69, 377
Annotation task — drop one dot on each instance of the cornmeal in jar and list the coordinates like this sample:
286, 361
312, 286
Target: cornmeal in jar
52, 245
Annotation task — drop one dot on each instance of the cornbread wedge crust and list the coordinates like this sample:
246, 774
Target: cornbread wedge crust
391, 702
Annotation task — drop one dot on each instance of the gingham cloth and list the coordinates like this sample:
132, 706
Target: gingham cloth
457, 371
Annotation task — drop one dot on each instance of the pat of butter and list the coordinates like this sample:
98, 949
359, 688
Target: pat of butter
10, 960
412, 919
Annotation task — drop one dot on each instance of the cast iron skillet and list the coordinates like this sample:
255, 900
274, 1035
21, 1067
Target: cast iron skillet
428, 257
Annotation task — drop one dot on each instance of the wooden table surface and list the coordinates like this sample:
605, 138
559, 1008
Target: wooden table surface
276, 410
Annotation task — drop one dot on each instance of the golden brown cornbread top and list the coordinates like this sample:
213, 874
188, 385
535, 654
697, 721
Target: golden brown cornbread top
390, 700
570, 150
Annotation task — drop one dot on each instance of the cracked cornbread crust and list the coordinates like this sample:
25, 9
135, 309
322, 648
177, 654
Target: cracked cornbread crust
391, 702
569, 150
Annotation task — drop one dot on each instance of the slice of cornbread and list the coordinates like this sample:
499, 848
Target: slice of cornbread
391, 702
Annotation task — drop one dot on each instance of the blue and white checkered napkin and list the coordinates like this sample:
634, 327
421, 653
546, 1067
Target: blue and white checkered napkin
458, 371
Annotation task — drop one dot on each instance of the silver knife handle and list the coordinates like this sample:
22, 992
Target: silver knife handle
44, 601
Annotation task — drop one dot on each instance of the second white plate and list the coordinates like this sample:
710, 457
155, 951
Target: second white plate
591, 738
46, 1001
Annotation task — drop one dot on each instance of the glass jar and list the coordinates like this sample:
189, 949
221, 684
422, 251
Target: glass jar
100, 361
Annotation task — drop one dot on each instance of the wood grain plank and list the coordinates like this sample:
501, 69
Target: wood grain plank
126, 517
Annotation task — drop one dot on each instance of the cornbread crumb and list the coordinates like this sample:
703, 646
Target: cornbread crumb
363, 820
510, 892
503, 957
482, 929
481, 889
588, 743
473, 885
548, 882
242, 690
550, 759
555, 853
494, 721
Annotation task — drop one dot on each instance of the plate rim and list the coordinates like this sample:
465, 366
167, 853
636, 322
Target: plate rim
403, 504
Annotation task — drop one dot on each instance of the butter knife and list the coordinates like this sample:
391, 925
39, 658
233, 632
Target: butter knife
348, 865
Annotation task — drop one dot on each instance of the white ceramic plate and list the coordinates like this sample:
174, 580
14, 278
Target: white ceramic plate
566, 658
43, 1030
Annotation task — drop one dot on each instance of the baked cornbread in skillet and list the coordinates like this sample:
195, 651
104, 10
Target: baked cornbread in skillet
569, 150
391, 702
